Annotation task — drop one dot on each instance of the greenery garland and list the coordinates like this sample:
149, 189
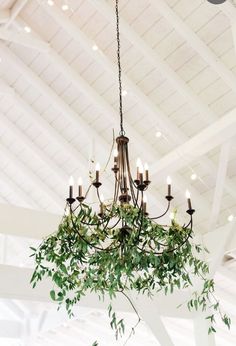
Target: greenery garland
138, 259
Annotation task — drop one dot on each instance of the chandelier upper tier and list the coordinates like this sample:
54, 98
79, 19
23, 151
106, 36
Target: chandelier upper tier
129, 193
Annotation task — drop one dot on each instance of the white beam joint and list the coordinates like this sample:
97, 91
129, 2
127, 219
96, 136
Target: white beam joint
220, 183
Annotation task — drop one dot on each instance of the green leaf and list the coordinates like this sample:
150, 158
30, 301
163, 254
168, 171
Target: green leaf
53, 295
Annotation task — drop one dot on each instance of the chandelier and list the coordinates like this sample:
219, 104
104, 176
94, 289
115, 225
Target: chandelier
128, 193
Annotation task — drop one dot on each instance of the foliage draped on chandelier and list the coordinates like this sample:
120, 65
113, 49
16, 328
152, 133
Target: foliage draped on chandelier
121, 248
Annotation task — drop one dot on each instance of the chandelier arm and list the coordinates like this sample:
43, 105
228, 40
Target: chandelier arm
111, 227
177, 247
186, 226
160, 216
116, 191
98, 196
122, 132
88, 189
91, 245
84, 239
141, 223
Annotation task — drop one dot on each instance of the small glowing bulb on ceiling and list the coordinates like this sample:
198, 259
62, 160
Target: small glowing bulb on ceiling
50, 2
27, 29
193, 176
168, 180
95, 47
230, 218
65, 7
97, 168
158, 134
124, 93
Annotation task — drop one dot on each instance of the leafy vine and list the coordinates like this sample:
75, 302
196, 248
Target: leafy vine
137, 259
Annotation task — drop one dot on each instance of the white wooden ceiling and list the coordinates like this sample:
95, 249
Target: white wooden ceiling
59, 106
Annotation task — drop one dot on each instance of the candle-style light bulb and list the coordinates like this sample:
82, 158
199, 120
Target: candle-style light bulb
115, 154
71, 185
138, 162
138, 165
168, 180
80, 184
141, 173
146, 168
188, 196
97, 169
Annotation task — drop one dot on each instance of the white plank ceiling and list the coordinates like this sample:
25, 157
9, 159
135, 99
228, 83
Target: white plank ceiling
59, 106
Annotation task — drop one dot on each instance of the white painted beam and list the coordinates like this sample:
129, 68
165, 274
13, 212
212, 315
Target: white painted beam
19, 192
202, 338
46, 128
6, 89
212, 136
227, 273
29, 174
4, 16
219, 242
220, 183
16, 286
153, 320
14, 309
15, 10
229, 9
23, 39
10, 329
27, 223
55, 100
36, 151
196, 43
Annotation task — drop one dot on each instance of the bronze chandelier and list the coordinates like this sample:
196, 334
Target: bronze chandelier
128, 191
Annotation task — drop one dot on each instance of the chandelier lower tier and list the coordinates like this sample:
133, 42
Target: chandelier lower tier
126, 212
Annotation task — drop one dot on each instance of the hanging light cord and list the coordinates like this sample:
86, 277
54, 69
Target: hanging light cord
122, 132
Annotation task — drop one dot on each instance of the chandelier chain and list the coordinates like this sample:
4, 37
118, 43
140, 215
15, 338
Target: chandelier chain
122, 132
